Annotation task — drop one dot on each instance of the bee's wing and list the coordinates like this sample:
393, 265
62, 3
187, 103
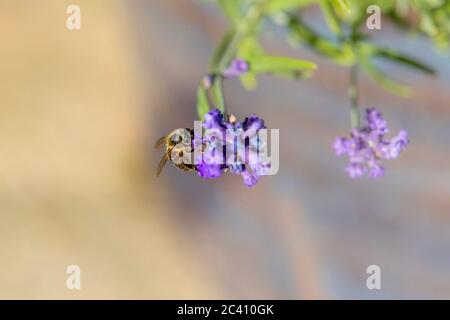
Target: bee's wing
160, 143
161, 164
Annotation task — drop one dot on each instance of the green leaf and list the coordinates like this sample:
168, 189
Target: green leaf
371, 50
247, 26
341, 6
340, 53
330, 17
221, 49
401, 7
405, 60
249, 48
281, 66
387, 83
202, 102
232, 10
428, 26
283, 5
249, 81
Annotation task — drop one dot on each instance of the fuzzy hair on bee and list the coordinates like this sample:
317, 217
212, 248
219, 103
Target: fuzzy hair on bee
177, 144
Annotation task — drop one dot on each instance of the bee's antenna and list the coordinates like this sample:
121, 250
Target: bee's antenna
160, 142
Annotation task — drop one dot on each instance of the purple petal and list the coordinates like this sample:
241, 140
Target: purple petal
397, 145
341, 146
376, 121
214, 120
237, 68
250, 180
209, 171
355, 170
252, 125
376, 170
236, 168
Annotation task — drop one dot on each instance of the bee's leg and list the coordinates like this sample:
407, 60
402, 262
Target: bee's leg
161, 164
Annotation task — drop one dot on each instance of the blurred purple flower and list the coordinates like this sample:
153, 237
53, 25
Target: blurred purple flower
367, 146
237, 68
376, 121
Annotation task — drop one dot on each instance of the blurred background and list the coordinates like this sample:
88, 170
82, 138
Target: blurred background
81, 110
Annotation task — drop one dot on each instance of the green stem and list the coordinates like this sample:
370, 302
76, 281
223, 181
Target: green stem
217, 91
222, 62
353, 93
247, 24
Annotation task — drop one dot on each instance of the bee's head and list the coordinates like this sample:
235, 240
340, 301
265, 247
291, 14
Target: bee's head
180, 136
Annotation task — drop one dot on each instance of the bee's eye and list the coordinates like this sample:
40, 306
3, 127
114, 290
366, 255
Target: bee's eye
176, 138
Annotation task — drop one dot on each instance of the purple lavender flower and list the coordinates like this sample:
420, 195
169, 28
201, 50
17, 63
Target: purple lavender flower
237, 68
397, 145
211, 164
376, 121
237, 151
367, 146
253, 148
247, 148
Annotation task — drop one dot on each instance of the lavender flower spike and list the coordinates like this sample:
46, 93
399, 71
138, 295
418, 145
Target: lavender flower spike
209, 165
367, 146
240, 153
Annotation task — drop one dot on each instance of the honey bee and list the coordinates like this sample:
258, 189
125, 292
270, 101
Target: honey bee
178, 145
